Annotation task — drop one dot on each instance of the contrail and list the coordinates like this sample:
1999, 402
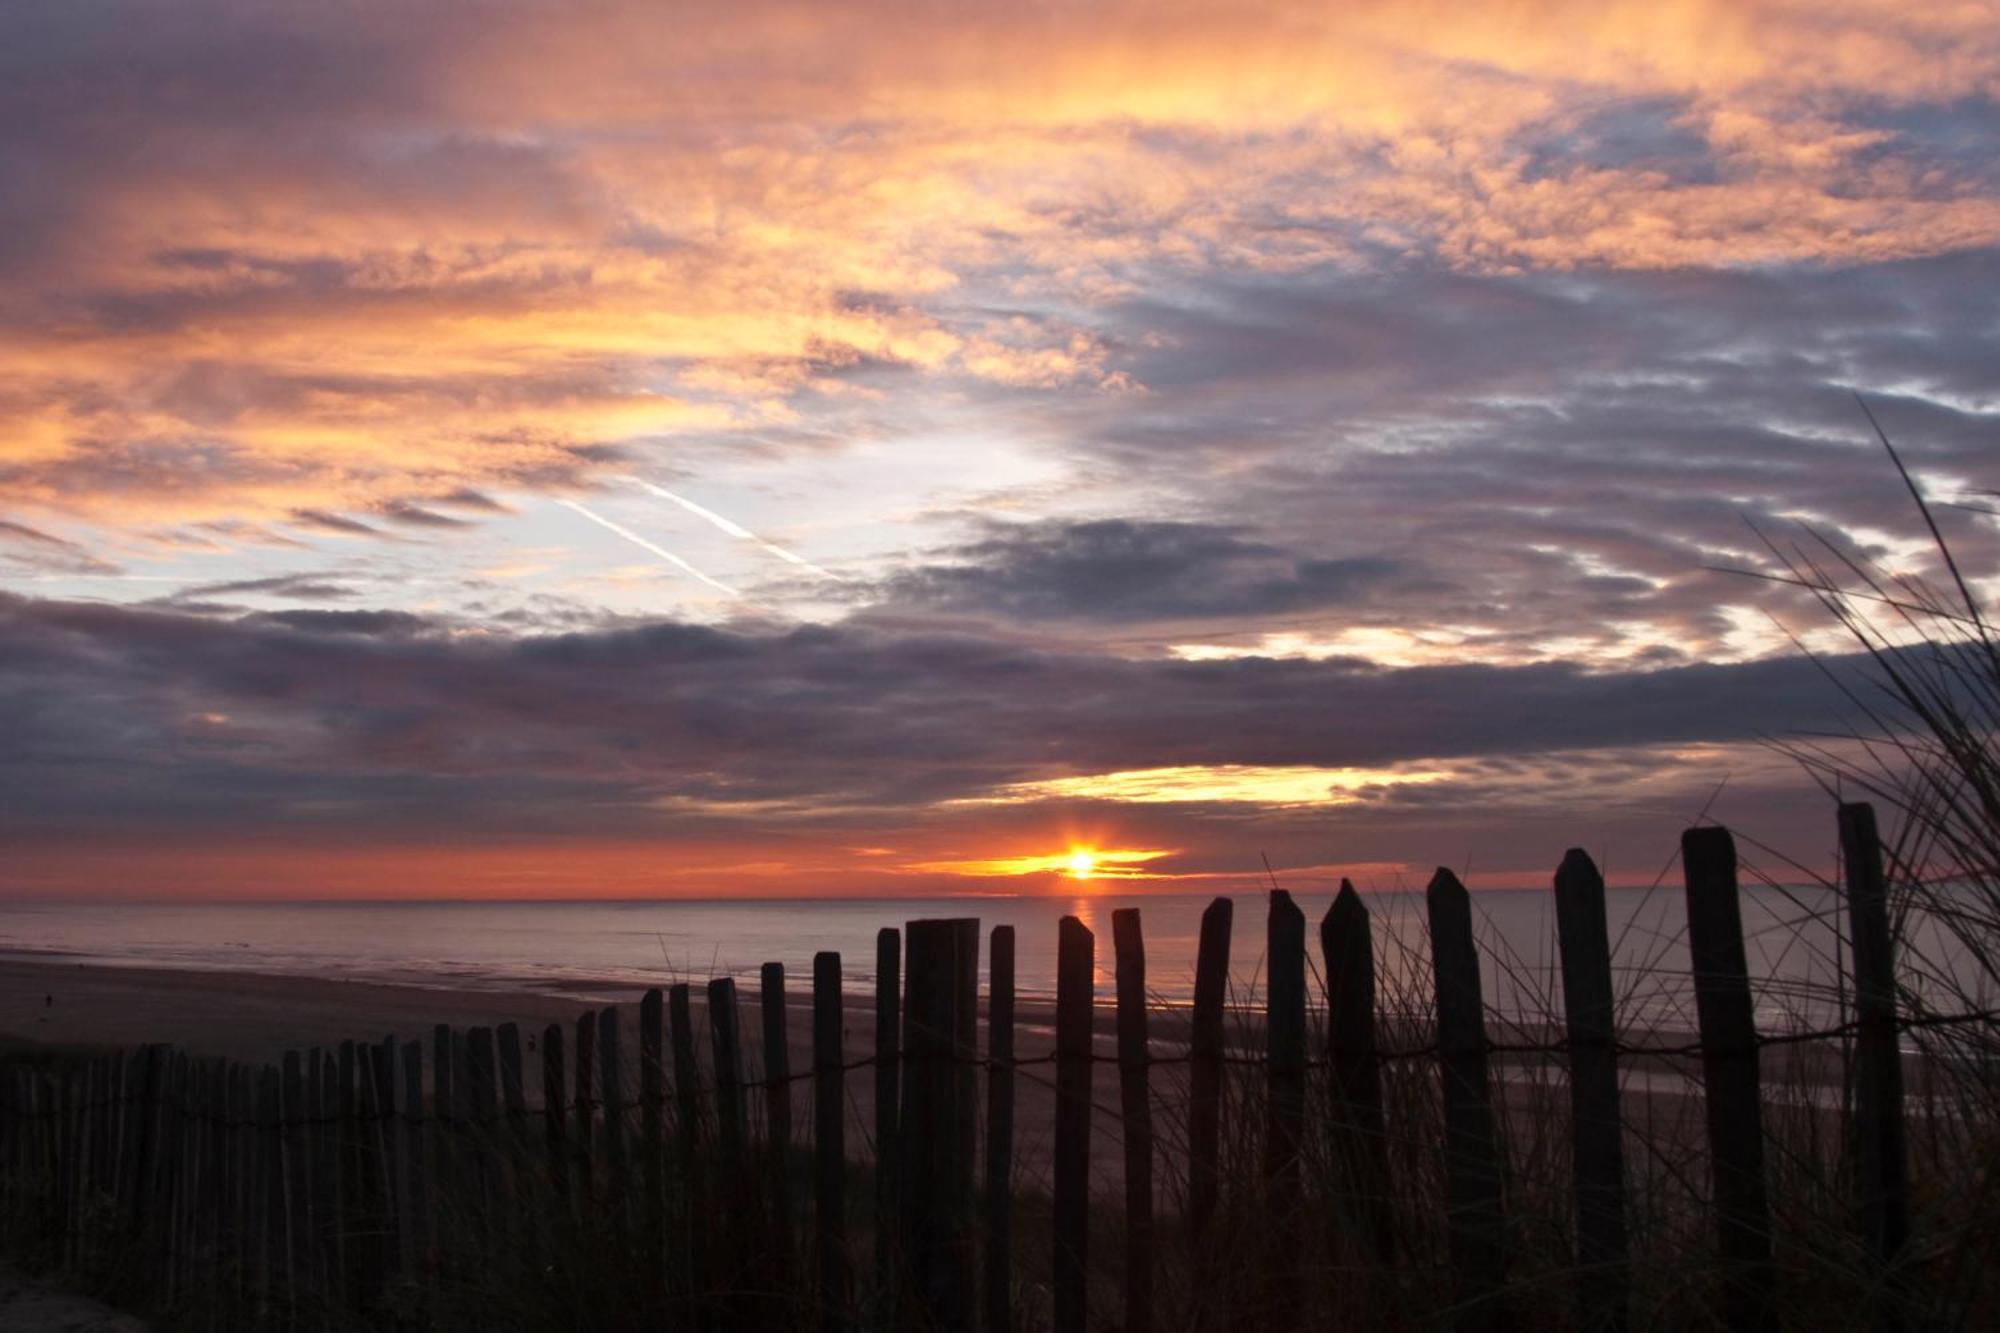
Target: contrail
659, 551
735, 529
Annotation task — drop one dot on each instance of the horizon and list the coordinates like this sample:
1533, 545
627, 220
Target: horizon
851, 451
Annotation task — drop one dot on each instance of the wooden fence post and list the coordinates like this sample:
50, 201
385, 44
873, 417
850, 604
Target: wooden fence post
888, 1033
829, 1144
652, 1112
386, 1136
1361, 1144
1076, 964
615, 1112
1000, 1131
732, 1116
734, 1196
293, 1116
1879, 1134
585, 1125
692, 1239
939, 1118
1211, 990
444, 1142
513, 1095
555, 1095
482, 1087
1136, 1108
392, 1219
273, 1232
353, 1196
1285, 1070
325, 1149
1472, 1162
777, 1106
416, 1181
1596, 1126
687, 1079
374, 1213
1730, 1077
141, 1141
509, 1141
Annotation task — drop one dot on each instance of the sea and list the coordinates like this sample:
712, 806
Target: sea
583, 949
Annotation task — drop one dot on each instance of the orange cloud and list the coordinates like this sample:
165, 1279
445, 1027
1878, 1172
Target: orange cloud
580, 226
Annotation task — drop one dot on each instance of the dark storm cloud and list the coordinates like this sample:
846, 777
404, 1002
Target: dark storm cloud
1119, 571
117, 716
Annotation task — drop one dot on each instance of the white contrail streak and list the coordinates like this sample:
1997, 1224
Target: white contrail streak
659, 551
734, 529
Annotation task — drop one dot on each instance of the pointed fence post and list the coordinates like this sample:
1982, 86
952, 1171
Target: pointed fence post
273, 1234
938, 1117
1136, 1107
1000, 1130
353, 1190
384, 1144
1472, 1160
777, 1107
1285, 1103
510, 1140
585, 1127
482, 1088
323, 1144
1596, 1125
298, 1199
1730, 1077
732, 1115
513, 1095
888, 1033
1881, 1150
829, 1144
687, 1079
736, 1197
416, 1189
652, 1108
1361, 1144
555, 1094
616, 1111
1075, 988
1211, 988
444, 1140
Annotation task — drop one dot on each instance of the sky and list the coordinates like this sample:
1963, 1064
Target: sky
632, 449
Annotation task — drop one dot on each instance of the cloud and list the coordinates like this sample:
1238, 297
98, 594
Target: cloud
1116, 571
345, 717
304, 587
467, 252
338, 524
32, 550
1358, 386
417, 517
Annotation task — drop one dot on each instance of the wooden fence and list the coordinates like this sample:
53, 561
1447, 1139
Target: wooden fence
377, 1183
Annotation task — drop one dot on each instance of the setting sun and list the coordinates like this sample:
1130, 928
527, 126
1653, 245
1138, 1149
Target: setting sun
1077, 863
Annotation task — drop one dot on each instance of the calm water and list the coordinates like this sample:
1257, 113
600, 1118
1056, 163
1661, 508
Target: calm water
574, 948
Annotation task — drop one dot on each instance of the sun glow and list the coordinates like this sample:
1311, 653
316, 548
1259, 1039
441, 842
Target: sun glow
1077, 863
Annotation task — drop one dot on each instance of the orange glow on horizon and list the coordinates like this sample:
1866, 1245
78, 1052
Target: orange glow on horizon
1078, 862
